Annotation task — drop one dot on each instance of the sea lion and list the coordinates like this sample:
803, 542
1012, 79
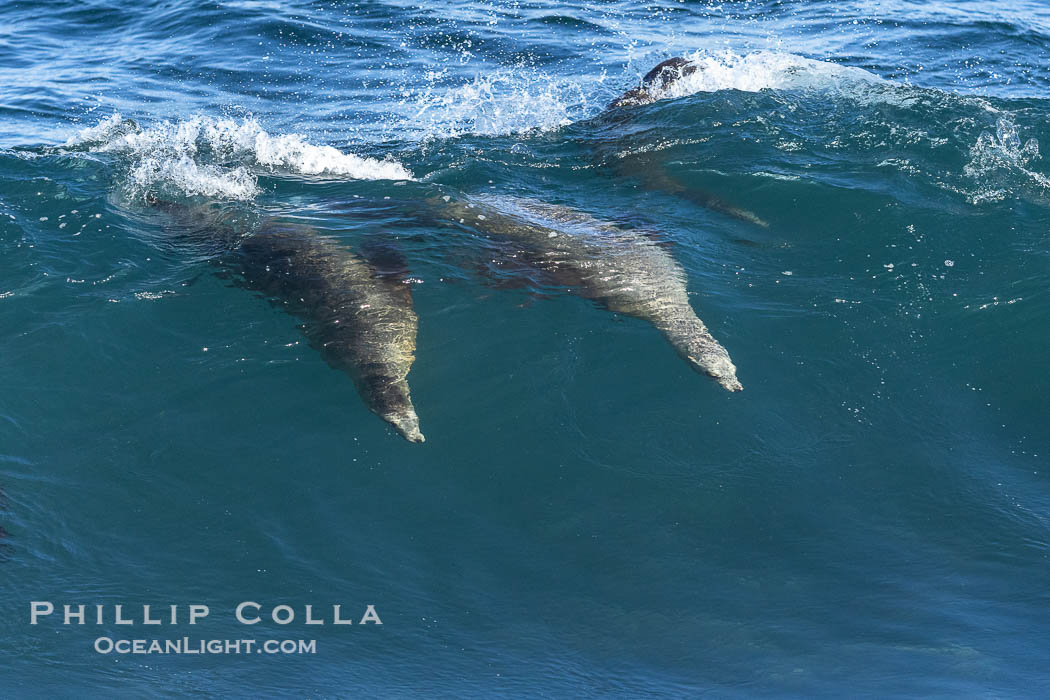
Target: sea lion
655, 176
625, 271
362, 322
655, 86
659, 78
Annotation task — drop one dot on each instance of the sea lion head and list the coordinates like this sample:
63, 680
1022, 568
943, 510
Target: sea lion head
713, 360
407, 423
661, 77
390, 400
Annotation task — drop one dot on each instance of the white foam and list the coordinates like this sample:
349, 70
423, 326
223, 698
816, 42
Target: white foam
192, 178
764, 70
520, 100
105, 130
222, 157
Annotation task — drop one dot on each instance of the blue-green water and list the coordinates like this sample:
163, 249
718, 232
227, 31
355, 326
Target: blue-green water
588, 517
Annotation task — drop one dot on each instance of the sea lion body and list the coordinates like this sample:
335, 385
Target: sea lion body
625, 271
361, 322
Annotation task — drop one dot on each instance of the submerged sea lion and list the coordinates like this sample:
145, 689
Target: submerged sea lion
655, 86
655, 176
362, 322
625, 271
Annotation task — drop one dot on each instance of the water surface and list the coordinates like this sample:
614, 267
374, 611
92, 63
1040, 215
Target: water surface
588, 517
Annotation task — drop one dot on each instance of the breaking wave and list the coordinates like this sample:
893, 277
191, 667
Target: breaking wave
766, 70
220, 157
518, 100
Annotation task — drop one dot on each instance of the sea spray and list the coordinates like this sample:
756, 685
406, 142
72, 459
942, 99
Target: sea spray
220, 157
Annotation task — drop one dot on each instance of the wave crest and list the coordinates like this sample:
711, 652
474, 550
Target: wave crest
763, 70
220, 157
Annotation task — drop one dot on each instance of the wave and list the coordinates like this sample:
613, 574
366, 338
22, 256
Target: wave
518, 100
220, 157
765, 70
503, 102
512, 101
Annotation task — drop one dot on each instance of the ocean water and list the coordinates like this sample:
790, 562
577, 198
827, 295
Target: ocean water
854, 192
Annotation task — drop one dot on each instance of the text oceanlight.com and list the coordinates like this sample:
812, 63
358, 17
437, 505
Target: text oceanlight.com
106, 645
